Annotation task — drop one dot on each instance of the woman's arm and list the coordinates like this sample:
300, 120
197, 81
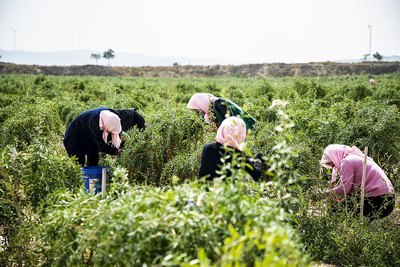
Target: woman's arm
346, 173
97, 136
254, 168
210, 159
205, 166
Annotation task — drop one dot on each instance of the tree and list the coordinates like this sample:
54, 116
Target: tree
377, 56
95, 56
109, 54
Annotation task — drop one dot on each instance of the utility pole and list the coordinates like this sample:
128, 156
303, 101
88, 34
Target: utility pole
370, 38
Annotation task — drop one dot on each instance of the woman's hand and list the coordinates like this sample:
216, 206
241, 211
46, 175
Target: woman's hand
118, 152
259, 158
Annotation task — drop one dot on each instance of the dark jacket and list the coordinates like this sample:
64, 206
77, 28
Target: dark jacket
83, 135
130, 118
211, 162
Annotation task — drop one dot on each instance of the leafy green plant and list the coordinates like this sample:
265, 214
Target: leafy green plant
236, 95
375, 125
33, 121
46, 219
26, 177
148, 225
344, 241
264, 89
147, 152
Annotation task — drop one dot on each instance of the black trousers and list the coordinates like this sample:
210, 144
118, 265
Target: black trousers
91, 157
379, 207
374, 207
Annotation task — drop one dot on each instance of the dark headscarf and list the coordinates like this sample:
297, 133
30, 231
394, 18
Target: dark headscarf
130, 118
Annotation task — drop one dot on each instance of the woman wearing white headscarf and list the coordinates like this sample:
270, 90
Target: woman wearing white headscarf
230, 139
98, 130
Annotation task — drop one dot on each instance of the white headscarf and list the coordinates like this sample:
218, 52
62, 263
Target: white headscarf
201, 101
109, 122
232, 132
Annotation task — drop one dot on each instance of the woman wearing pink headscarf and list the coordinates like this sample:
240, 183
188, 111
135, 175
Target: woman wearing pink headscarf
98, 130
347, 168
230, 139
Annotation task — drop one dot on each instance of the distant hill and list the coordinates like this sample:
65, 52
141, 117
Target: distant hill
82, 57
247, 70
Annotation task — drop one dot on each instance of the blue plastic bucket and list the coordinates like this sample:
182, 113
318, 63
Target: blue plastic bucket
92, 178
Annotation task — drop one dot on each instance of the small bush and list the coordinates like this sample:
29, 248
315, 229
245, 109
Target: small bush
343, 241
236, 95
358, 92
156, 227
26, 178
30, 122
167, 135
264, 89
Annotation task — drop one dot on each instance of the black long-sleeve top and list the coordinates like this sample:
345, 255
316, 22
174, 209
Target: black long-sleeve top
83, 135
211, 162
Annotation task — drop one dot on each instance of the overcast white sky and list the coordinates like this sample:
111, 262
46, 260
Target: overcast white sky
243, 31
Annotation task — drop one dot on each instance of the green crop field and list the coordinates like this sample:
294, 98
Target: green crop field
47, 219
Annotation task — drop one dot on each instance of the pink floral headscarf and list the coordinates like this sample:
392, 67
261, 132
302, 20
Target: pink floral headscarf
201, 101
232, 132
335, 154
110, 123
